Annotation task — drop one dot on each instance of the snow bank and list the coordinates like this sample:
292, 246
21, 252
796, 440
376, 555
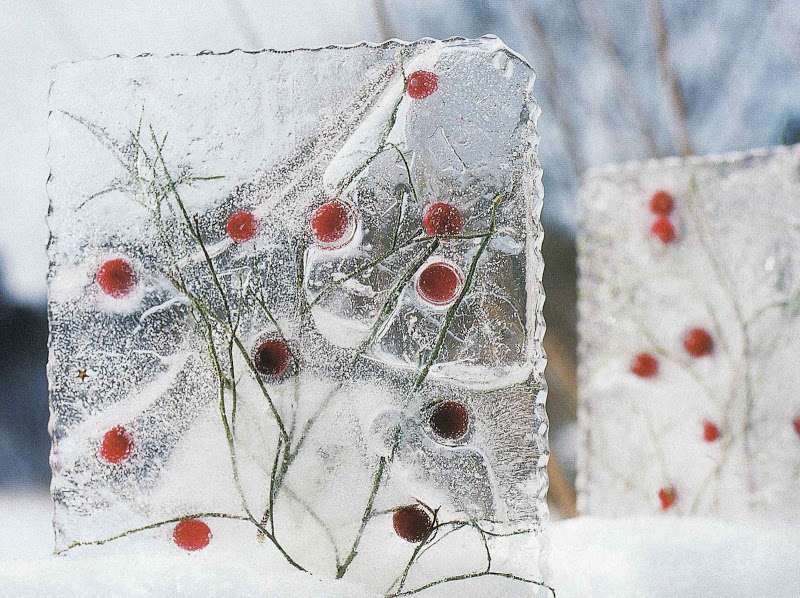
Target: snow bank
657, 557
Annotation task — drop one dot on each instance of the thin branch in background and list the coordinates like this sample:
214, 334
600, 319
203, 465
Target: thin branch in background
561, 491
382, 19
677, 100
597, 24
553, 76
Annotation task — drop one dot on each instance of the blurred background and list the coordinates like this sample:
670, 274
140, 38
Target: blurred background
617, 80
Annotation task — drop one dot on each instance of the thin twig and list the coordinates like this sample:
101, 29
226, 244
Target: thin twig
677, 99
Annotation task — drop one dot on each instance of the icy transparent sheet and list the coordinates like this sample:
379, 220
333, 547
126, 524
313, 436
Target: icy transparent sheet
734, 270
135, 141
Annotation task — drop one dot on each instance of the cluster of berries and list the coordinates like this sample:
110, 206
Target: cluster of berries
332, 225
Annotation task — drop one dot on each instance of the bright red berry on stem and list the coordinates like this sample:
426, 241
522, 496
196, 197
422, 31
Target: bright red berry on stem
116, 277
661, 203
667, 497
644, 365
332, 224
241, 226
663, 229
412, 523
191, 534
698, 342
438, 283
272, 358
116, 445
442, 219
710, 431
421, 84
449, 419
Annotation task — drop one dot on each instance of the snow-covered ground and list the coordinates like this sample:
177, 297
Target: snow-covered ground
662, 557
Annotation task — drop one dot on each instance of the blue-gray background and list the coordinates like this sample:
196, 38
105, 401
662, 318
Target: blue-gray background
617, 80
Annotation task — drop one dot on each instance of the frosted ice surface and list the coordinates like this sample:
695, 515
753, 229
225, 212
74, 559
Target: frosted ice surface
689, 304
298, 293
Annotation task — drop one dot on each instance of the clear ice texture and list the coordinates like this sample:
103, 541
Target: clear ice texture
296, 296
689, 303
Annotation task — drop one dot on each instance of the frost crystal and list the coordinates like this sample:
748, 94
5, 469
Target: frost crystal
296, 295
689, 306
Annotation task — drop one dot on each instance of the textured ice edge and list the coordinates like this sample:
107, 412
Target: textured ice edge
677, 161
392, 42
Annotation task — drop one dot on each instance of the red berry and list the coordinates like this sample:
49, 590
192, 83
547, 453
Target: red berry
438, 283
796, 424
710, 431
450, 420
661, 203
191, 534
332, 224
241, 226
116, 445
421, 84
663, 229
412, 523
441, 219
272, 358
667, 496
644, 365
698, 342
116, 277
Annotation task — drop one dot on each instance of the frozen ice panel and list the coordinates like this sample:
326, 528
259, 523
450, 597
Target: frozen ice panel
689, 304
295, 296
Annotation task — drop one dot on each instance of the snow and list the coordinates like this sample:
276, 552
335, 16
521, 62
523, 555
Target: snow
657, 557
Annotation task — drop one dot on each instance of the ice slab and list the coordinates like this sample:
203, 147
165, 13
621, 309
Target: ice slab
297, 294
689, 304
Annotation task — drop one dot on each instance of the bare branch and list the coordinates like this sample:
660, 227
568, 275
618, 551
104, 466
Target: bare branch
669, 76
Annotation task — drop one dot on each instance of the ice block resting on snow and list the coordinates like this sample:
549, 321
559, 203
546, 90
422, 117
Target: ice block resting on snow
296, 295
690, 297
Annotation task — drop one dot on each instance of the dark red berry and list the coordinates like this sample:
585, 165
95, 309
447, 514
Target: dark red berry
442, 219
710, 431
191, 534
412, 523
332, 224
116, 445
644, 365
450, 420
663, 229
438, 283
698, 342
661, 203
667, 497
272, 358
421, 84
242, 226
796, 424
116, 277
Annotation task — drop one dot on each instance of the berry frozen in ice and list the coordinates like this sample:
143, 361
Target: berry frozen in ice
663, 229
191, 534
449, 420
272, 358
698, 342
116, 277
662, 203
644, 365
332, 225
116, 446
438, 283
241, 226
421, 84
413, 523
442, 219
